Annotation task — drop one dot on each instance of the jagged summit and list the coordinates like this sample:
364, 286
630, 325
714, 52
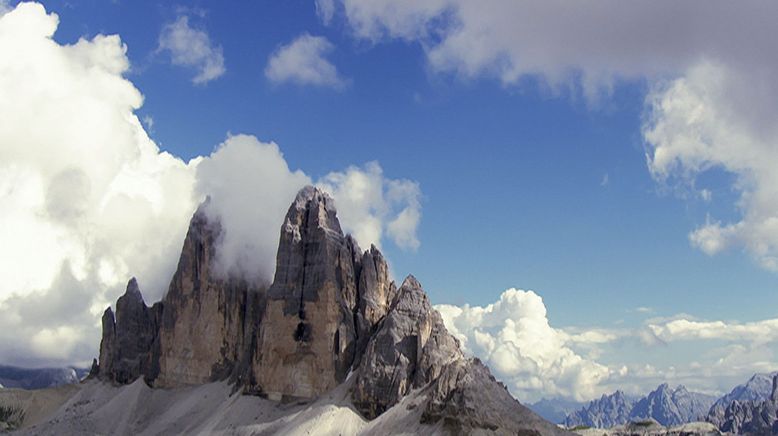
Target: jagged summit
331, 310
666, 405
133, 291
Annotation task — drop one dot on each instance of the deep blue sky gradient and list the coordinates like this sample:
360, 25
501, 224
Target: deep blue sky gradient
511, 176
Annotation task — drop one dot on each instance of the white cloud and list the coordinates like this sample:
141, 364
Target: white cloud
683, 329
193, 48
90, 200
370, 204
242, 174
303, 62
716, 117
86, 201
535, 360
559, 40
325, 9
714, 97
5, 7
148, 121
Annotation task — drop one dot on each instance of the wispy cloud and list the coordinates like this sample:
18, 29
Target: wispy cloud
192, 48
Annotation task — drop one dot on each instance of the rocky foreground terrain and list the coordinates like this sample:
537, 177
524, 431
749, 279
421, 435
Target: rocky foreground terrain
331, 346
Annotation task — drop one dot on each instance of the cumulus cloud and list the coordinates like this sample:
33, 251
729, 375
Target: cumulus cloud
536, 360
90, 200
192, 48
84, 202
514, 338
371, 204
242, 174
303, 62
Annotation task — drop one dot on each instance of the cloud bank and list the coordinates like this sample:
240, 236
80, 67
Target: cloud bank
88, 200
537, 360
710, 66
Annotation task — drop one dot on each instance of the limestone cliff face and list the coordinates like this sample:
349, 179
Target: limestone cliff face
323, 304
129, 347
207, 318
409, 350
330, 311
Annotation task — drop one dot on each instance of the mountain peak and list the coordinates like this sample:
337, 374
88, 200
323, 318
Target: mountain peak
330, 311
133, 290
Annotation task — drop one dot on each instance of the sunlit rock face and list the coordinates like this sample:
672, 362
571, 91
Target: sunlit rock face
409, 350
322, 305
208, 319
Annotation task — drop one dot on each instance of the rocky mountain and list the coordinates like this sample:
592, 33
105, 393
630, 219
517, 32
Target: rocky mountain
756, 417
331, 319
672, 407
667, 406
758, 388
607, 411
555, 410
38, 378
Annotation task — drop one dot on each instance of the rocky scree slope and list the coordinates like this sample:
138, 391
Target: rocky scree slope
330, 311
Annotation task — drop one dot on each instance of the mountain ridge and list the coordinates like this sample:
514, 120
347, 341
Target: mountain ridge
667, 406
330, 311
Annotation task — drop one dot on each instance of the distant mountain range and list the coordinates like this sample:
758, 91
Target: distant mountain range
26, 378
750, 408
607, 411
758, 388
555, 410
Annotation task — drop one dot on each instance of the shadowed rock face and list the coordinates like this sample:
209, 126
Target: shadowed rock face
129, 346
468, 399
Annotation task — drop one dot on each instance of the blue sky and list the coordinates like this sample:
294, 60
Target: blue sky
532, 182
